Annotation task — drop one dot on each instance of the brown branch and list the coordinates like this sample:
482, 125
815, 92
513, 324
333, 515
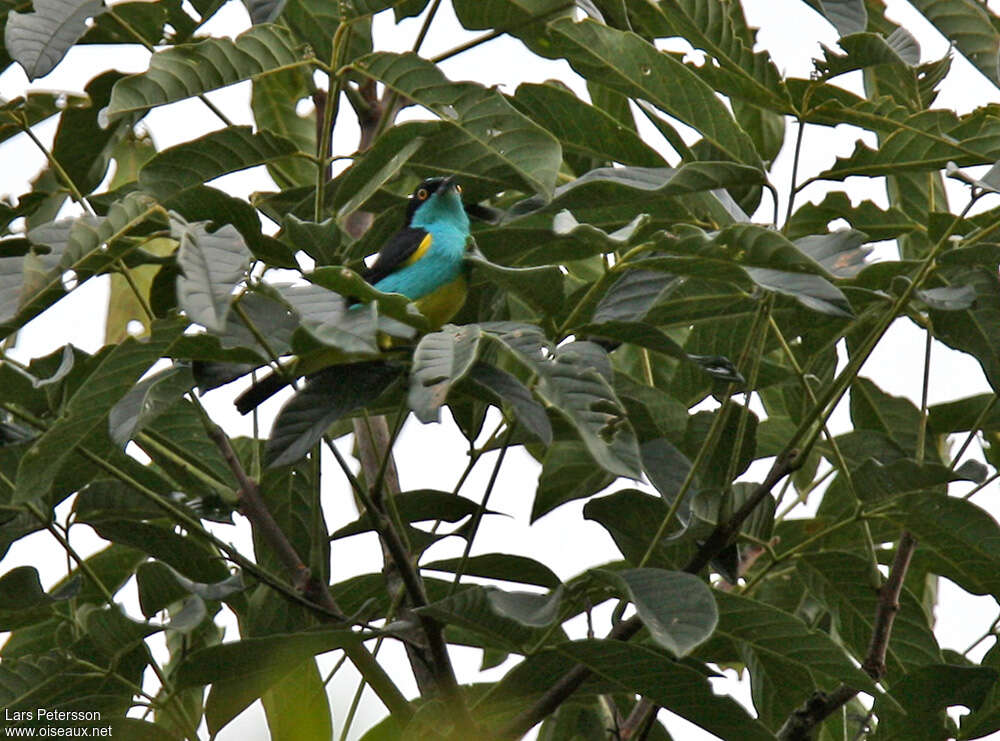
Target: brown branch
783, 465
802, 722
374, 441
252, 506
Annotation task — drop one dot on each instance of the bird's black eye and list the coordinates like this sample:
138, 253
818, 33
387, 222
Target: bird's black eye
458, 188
422, 194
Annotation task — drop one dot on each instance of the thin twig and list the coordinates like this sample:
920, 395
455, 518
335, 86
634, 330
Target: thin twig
477, 518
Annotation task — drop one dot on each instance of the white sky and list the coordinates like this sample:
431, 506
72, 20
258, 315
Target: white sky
563, 540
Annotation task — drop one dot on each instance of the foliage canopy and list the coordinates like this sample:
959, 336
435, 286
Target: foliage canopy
627, 319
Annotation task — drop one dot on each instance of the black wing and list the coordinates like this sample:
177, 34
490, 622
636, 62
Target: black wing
401, 247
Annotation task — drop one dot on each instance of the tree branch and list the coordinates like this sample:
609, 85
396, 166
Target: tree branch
252, 506
374, 441
801, 723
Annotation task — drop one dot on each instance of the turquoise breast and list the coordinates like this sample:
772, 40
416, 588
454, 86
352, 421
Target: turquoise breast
440, 265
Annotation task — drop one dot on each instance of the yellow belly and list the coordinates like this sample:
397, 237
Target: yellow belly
444, 303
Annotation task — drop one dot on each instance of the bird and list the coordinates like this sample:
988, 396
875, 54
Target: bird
423, 261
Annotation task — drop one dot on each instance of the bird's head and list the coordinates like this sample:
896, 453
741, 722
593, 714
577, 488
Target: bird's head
436, 201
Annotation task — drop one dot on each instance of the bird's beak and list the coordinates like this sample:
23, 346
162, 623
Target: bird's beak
448, 182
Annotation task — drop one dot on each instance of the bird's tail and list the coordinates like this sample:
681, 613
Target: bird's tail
261, 390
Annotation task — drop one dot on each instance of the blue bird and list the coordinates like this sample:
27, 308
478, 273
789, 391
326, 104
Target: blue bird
423, 261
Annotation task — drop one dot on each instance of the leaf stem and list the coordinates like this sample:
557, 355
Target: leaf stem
152, 50
477, 518
74, 192
426, 26
704, 450
807, 430
922, 429
974, 430
81, 563
330, 109
795, 171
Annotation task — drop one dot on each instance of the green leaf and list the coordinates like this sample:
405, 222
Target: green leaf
504, 388
960, 415
187, 70
925, 694
895, 416
160, 585
421, 505
722, 32
297, 706
193, 163
568, 473
273, 324
133, 729
24, 600
975, 330
971, 27
868, 50
502, 566
242, 671
146, 400
841, 252
866, 216
370, 172
959, 540
212, 264
876, 482
583, 129
84, 246
632, 295
273, 100
39, 40
320, 241
765, 257
579, 720
53, 680
564, 224
713, 472
986, 718
927, 141
507, 141
606, 199
316, 22
325, 398
540, 287
88, 406
626, 62
676, 608
81, 146
189, 557
781, 647
670, 684
509, 620
34, 108
840, 582
327, 317
627, 515
570, 384
847, 16
439, 360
